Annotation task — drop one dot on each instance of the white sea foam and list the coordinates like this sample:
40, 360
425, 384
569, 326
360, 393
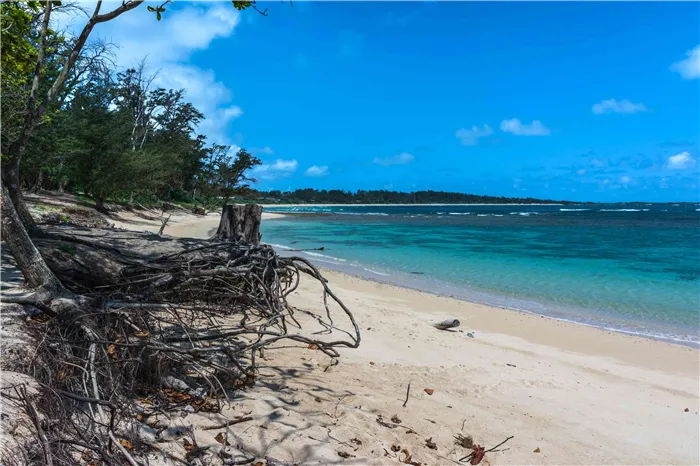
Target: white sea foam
622, 210
316, 254
363, 213
375, 272
574, 210
461, 213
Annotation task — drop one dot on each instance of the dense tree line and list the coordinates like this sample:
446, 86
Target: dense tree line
336, 196
116, 139
107, 132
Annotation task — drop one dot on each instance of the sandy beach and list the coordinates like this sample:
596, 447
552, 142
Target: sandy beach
569, 394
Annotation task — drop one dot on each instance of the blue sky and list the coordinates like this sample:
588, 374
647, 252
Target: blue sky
584, 101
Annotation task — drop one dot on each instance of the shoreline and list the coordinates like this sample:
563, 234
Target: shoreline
475, 296
564, 390
501, 314
390, 205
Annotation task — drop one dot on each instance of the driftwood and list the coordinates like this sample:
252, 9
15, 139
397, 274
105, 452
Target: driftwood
447, 324
240, 223
140, 309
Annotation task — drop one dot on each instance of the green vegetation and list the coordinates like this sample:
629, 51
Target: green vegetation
116, 139
335, 196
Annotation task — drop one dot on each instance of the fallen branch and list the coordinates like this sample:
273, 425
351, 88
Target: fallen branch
408, 390
163, 222
229, 423
31, 412
478, 452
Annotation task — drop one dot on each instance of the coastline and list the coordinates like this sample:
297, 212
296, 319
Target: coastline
384, 205
578, 394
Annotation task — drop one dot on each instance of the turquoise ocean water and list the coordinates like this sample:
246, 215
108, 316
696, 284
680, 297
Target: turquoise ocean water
631, 268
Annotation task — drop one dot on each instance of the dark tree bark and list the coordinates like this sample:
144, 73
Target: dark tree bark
36, 273
240, 223
11, 187
100, 205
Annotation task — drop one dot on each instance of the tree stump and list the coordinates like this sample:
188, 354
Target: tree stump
240, 223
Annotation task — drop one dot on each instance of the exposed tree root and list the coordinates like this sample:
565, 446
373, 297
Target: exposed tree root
194, 318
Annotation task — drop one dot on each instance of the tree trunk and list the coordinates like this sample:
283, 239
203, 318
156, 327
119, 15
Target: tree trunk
11, 186
39, 181
240, 223
36, 273
100, 205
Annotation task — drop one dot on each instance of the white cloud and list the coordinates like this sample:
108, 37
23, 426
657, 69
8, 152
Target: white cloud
232, 112
267, 150
279, 169
615, 106
689, 68
400, 159
514, 126
625, 179
470, 137
680, 161
168, 46
582, 171
316, 170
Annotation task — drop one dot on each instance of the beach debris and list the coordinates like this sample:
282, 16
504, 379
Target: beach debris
395, 419
511, 365
345, 454
478, 452
231, 422
537, 450
395, 448
464, 441
430, 444
334, 362
470, 335
371, 363
356, 441
313, 346
408, 390
686, 410
407, 458
383, 423
447, 324
429, 391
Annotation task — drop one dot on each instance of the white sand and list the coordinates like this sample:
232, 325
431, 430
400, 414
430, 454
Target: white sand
579, 394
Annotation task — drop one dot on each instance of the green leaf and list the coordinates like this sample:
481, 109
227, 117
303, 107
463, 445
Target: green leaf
150, 8
158, 15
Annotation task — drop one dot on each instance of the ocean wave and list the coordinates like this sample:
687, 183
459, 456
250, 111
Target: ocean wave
526, 213
308, 253
574, 210
316, 254
363, 213
623, 210
375, 272
461, 213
